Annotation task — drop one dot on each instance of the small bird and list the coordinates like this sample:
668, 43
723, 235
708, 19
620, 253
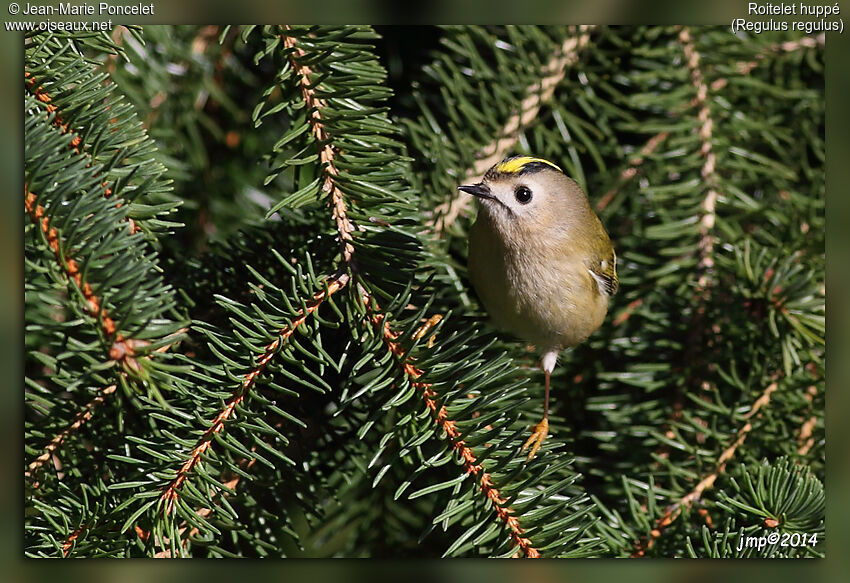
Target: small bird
540, 260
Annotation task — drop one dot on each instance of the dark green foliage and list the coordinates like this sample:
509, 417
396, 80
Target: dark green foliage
784, 496
283, 395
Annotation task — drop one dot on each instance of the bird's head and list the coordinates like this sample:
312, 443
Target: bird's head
526, 193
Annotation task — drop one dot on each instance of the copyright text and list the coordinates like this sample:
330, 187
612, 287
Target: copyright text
785, 539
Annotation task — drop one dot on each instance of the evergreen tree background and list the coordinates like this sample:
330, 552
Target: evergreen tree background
249, 330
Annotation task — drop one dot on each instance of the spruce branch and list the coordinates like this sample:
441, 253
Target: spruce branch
783, 494
120, 352
123, 351
314, 106
804, 435
439, 413
170, 493
634, 167
626, 312
807, 42
773, 500
377, 317
41, 95
728, 453
675, 510
229, 485
81, 418
59, 119
68, 543
697, 337
72, 269
107, 154
706, 223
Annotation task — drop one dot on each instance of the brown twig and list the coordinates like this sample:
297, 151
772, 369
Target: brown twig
804, 437
118, 353
79, 419
632, 171
707, 208
440, 414
76, 143
39, 93
536, 96
744, 67
171, 491
66, 546
729, 452
697, 340
230, 484
675, 510
70, 266
314, 106
627, 312
706, 244
122, 350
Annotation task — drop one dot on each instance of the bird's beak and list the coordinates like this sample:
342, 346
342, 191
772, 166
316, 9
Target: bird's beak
479, 190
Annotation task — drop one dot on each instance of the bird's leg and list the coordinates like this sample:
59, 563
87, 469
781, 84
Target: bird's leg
541, 430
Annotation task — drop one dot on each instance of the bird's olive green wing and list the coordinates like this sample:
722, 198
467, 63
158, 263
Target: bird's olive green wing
603, 268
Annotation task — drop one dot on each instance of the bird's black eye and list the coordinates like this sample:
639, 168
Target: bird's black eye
523, 194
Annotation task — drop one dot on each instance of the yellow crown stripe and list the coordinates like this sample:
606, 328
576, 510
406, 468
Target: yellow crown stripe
515, 165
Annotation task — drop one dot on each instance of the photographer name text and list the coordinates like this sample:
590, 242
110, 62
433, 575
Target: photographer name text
86, 9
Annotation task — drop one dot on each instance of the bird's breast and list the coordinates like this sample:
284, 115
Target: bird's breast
538, 292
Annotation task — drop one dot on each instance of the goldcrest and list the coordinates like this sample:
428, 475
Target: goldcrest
540, 260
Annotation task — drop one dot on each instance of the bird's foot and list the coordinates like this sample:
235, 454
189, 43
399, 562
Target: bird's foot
535, 440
